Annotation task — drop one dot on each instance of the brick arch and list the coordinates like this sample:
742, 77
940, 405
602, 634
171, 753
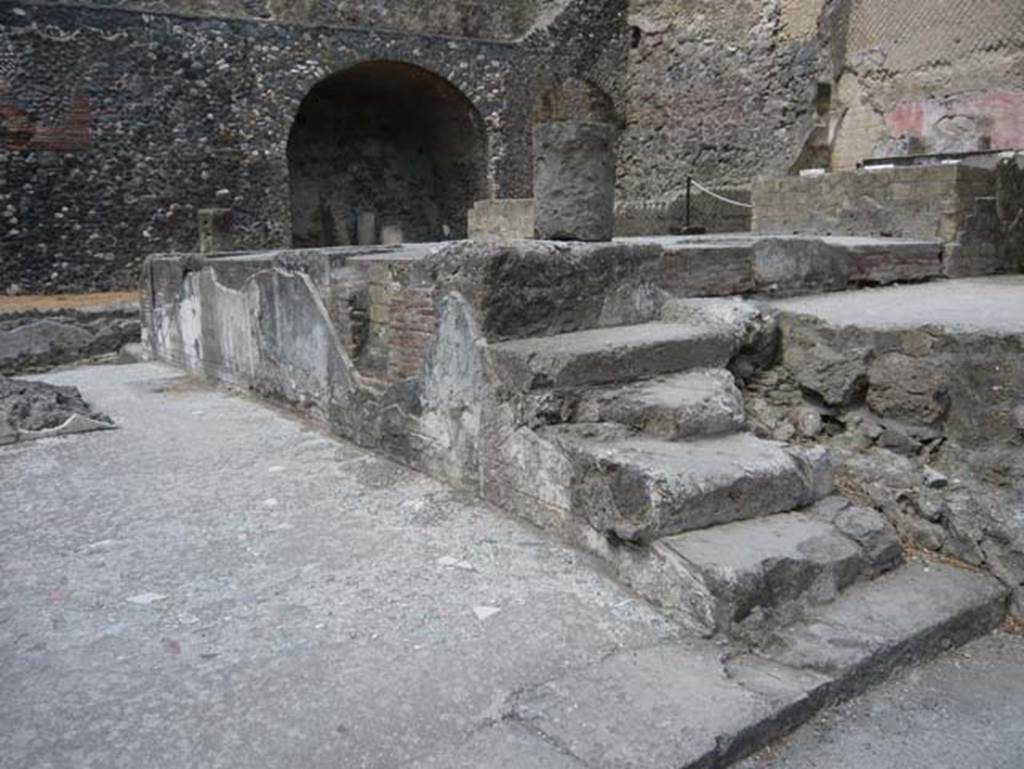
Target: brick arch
576, 99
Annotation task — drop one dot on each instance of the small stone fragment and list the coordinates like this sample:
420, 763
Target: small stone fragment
933, 479
145, 599
484, 612
807, 421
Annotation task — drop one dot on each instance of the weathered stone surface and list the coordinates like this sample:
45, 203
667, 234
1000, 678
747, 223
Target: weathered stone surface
531, 288
837, 376
609, 355
501, 220
794, 265
773, 564
947, 362
901, 617
215, 230
40, 339
702, 402
574, 181
904, 387
30, 410
865, 526
640, 489
625, 710
638, 709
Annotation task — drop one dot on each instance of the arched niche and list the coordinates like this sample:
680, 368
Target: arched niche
389, 138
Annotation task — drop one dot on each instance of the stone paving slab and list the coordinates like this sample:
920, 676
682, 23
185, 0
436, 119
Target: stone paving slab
987, 305
217, 584
698, 705
962, 710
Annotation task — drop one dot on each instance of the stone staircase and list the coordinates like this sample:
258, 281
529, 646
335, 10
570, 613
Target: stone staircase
736, 537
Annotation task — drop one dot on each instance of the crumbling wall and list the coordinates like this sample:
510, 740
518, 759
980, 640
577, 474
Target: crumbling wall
712, 85
39, 339
928, 76
924, 423
116, 128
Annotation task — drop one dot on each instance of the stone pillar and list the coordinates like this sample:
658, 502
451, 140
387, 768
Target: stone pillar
215, 231
574, 180
366, 228
392, 235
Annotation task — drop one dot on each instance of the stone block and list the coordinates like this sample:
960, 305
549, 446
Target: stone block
215, 230
574, 181
509, 219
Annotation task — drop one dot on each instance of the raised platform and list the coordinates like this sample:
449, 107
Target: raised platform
559, 380
743, 263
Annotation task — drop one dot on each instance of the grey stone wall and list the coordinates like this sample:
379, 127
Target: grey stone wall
925, 423
710, 87
956, 204
118, 126
469, 18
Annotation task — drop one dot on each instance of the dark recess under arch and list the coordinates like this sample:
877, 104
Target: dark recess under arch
386, 137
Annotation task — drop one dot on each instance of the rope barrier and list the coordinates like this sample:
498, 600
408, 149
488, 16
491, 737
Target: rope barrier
715, 195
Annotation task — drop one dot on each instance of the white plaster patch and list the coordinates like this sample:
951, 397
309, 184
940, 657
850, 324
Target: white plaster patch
485, 612
145, 599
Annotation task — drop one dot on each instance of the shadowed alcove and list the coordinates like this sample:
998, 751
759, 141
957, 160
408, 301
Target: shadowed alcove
388, 138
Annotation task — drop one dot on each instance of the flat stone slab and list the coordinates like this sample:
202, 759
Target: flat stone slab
697, 704
963, 709
991, 305
614, 354
642, 488
694, 403
767, 562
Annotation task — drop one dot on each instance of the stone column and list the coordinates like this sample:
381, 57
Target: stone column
215, 231
366, 228
574, 180
392, 235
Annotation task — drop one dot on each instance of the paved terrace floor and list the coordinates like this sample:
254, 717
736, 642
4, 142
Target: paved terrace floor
216, 584
992, 305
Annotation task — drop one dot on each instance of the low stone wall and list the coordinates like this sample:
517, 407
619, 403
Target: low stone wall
494, 220
388, 347
40, 338
956, 204
513, 219
926, 424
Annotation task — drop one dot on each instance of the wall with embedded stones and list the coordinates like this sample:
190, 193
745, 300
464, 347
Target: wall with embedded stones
710, 86
117, 126
469, 18
924, 423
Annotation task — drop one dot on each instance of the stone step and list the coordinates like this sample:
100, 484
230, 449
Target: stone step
618, 354
697, 704
694, 403
640, 489
766, 571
